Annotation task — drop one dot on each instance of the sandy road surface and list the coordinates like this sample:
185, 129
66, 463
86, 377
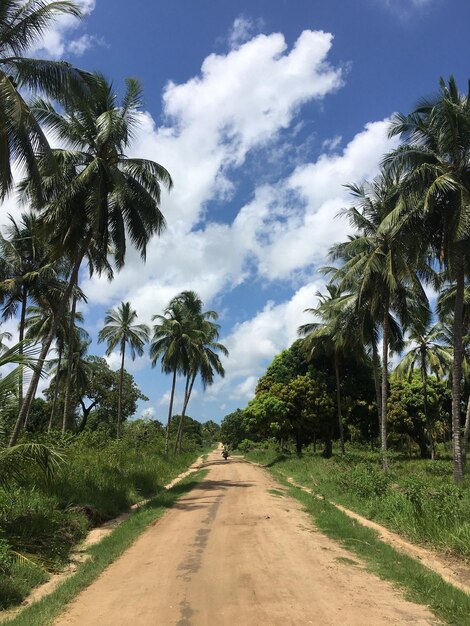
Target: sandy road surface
232, 552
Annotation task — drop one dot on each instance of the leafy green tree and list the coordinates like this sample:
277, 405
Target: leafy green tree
96, 197
335, 336
285, 366
233, 428
22, 24
211, 432
120, 329
428, 353
435, 161
95, 402
420, 412
300, 410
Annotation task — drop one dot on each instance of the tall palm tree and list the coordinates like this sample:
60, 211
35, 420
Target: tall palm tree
23, 24
26, 270
335, 336
120, 329
435, 160
97, 197
380, 268
172, 342
428, 352
203, 358
445, 308
38, 323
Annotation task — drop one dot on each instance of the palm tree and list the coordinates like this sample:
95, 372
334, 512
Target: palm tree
120, 329
380, 268
427, 350
435, 158
335, 336
26, 269
22, 24
445, 308
172, 341
97, 197
203, 357
38, 323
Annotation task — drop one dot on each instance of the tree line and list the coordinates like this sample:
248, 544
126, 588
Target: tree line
410, 235
87, 202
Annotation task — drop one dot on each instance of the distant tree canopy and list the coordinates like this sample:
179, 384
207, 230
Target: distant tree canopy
417, 415
96, 402
294, 400
233, 429
300, 410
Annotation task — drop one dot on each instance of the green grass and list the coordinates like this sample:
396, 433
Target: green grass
419, 584
108, 550
416, 499
100, 479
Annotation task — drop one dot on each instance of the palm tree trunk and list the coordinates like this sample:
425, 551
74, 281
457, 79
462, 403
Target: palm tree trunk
457, 372
121, 379
383, 425
56, 389
71, 351
183, 411
170, 411
466, 434
24, 304
33, 385
338, 402
424, 378
376, 368
187, 395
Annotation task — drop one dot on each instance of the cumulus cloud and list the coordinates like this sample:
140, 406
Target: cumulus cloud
240, 101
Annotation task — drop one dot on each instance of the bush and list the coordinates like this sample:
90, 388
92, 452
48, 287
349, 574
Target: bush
365, 480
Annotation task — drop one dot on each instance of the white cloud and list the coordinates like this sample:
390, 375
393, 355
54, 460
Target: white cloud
56, 40
404, 9
240, 101
148, 413
83, 43
253, 343
243, 29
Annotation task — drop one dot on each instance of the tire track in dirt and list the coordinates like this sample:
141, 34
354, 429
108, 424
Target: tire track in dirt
238, 551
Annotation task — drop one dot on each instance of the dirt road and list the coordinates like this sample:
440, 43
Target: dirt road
237, 551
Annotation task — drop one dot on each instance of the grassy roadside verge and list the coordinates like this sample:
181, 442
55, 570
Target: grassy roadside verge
418, 583
416, 499
103, 554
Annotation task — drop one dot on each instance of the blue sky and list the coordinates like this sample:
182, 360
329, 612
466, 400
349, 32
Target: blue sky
261, 111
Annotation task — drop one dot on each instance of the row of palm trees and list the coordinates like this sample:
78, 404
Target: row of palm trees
88, 199
184, 338
411, 229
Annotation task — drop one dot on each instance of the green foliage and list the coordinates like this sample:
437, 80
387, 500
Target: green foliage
415, 498
365, 480
422, 419
101, 478
234, 428
299, 409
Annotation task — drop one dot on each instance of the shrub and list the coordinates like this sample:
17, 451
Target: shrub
365, 480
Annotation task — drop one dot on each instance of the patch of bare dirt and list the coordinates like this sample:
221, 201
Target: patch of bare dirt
237, 551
